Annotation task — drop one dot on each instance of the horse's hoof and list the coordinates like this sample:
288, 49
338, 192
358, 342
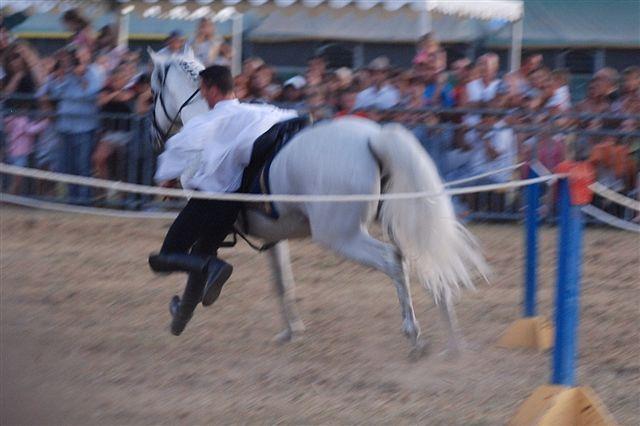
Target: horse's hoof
419, 350
285, 336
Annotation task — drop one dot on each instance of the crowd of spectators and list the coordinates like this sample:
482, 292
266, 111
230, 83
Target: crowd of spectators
75, 110
468, 117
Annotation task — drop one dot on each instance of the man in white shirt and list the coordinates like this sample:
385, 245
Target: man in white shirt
496, 150
380, 95
209, 154
485, 88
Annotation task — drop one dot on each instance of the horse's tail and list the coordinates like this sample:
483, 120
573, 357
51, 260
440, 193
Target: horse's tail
438, 248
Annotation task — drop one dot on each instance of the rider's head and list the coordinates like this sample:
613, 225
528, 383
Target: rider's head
216, 84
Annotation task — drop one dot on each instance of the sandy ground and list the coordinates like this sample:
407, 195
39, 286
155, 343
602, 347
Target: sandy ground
85, 341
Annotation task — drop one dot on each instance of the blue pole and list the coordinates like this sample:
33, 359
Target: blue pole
568, 289
531, 249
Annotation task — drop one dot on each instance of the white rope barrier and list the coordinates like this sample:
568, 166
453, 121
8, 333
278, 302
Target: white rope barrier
612, 195
67, 208
482, 175
609, 219
180, 193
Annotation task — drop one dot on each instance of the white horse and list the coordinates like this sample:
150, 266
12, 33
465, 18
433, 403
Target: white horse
349, 156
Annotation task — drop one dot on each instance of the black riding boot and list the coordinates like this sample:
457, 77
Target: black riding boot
216, 271
182, 309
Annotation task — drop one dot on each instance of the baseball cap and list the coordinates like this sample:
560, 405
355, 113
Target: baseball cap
381, 63
298, 82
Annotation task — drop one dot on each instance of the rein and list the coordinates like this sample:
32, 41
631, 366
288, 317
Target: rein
163, 135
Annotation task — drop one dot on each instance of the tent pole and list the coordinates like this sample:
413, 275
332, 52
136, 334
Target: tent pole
123, 28
516, 45
236, 43
424, 23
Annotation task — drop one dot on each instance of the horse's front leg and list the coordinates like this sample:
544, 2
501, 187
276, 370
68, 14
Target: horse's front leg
285, 288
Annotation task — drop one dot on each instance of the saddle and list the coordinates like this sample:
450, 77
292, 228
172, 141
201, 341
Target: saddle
255, 178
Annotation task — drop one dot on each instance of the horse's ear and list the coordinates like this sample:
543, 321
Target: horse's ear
152, 54
188, 53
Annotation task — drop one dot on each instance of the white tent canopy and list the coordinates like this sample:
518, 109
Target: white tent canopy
507, 10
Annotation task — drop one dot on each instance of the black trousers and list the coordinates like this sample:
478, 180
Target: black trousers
201, 227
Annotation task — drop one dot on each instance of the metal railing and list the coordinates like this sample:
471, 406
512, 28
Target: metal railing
135, 161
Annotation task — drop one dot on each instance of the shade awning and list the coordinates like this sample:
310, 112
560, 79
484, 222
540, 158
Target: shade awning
508, 10
359, 26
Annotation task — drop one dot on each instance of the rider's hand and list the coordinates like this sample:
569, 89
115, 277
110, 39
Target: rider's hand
168, 183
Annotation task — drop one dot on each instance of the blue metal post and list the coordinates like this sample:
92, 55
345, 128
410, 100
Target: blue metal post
568, 289
531, 249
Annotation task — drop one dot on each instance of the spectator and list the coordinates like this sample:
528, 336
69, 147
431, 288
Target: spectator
22, 73
293, 92
316, 105
250, 65
21, 132
76, 23
596, 101
262, 87
108, 54
317, 67
206, 43
485, 88
426, 49
115, 100
76, 88
459, 77
142, 94
379, 95
541, 89
609, 80
560, 101
518, 82
241, 86
438, 91
47, 146
344, 78
629, 101
347, 102
225, 57
174, 44
415, 98
497, 149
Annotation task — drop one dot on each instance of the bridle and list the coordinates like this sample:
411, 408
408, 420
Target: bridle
162, 136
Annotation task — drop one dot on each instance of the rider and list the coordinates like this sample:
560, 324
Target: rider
208, 154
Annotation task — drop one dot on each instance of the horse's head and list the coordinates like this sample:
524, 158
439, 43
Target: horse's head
175, 87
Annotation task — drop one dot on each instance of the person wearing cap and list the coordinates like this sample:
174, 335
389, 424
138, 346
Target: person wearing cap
174, 44
210, 154
292, 91
380, 95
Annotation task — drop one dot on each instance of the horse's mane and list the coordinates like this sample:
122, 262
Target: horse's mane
190, 66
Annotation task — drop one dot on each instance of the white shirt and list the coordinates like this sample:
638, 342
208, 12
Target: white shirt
385, 98
561, 98
503, 142
477, 91
212, 149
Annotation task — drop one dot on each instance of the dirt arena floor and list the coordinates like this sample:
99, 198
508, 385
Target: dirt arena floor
84, 327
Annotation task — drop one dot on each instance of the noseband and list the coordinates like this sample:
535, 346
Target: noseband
164, 135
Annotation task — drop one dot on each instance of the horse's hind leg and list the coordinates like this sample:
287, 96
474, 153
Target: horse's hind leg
455, 343
285, 289
384, 257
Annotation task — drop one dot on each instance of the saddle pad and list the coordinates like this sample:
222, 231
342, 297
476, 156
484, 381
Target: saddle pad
256, 176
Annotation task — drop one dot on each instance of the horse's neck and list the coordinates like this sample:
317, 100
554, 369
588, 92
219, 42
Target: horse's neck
199, 106
182, 87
